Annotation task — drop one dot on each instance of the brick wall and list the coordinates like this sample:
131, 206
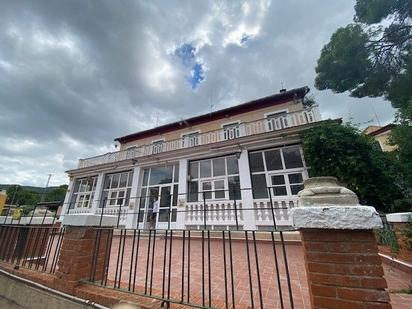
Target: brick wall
82, 256
344, 269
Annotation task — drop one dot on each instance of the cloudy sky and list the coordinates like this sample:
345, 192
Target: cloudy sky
76, 74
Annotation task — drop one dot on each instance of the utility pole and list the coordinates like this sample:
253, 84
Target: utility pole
45, 188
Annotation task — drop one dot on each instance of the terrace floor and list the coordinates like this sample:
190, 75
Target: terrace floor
197, 289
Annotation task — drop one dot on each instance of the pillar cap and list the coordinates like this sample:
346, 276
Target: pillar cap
399, 217
336, 217
89, 220
326, 191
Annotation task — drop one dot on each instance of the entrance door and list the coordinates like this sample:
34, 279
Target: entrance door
165, 207
163, 193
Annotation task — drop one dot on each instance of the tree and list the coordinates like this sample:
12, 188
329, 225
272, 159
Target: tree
373, 57
356, 160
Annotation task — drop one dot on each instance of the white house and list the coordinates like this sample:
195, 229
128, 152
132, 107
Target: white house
237, 166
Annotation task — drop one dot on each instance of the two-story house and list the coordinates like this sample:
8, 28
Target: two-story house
241, 165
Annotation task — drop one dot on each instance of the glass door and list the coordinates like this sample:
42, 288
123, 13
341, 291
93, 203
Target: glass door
165, 204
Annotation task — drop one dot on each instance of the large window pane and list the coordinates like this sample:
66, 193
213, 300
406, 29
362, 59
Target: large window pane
115, 181
295, 178
256, 162
193, 191
207, 189
161, 175
123, 180
129, 183
145, 176
273, 160
205, 168
292, 157
219, 167
234, 188
278, 180
232, 165
278, 191
219, 189
259, 186
194, 170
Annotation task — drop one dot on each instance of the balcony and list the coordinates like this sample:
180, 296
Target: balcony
270, 124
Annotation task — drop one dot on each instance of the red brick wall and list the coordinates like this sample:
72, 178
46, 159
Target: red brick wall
344, 269
77, 259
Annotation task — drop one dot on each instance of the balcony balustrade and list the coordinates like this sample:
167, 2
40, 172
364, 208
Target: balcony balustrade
293, 119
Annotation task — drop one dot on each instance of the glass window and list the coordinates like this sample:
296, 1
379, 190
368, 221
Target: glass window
205, 168
278, 185
123, 180
256, 162
193, 191
194, 169
219, 167
232, 165
278, 180
292, 157
207, 189
219, 189
145, 177
234, 188
115, 181
296, 183
161, 175
273, 160
259, 186
83, 192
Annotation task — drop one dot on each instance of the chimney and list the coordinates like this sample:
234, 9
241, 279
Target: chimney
282, 90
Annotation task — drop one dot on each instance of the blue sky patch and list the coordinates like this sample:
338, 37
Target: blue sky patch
187, 54
196, 75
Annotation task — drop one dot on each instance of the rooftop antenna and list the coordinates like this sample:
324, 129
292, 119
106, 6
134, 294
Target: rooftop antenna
157, 119
376, 115
45, 188
211, 105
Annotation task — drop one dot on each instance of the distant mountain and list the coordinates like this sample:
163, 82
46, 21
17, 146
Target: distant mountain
30, 188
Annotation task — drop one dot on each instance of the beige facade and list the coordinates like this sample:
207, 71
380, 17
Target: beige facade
289, 107
381, 135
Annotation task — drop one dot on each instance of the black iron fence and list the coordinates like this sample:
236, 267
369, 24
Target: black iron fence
31, 246
204, 269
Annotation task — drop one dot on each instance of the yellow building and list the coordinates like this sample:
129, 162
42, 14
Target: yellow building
381, 135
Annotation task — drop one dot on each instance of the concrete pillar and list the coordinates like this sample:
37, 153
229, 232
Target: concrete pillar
246, 189
132, 212
83, 250
343, 267
182, 191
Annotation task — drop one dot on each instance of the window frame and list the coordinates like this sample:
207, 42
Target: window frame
117, 190
238, 123
186, 135
157, 142
212, 178
79, 201
284, 171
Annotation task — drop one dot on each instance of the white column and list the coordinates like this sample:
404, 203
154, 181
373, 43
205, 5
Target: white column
181, 200
97, 193
67, 198
132, 212
247, 196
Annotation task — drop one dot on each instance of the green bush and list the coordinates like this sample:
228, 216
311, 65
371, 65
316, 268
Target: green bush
387, 237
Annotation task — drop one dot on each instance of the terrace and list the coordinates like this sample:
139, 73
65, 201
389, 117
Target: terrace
261, 126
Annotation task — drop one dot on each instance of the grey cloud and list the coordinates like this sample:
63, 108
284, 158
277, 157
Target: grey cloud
76, 74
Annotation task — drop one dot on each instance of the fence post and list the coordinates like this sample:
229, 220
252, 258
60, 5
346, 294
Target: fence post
83, 250
343, 267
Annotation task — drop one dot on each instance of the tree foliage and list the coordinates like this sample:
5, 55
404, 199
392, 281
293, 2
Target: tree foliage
366, 57
373, 57
22, 196
356, 160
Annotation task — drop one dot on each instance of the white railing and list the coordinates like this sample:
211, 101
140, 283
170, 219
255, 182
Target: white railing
281, 210
308, 115
217, 213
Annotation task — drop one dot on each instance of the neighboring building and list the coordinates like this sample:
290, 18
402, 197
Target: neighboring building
381, 135
225, 160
